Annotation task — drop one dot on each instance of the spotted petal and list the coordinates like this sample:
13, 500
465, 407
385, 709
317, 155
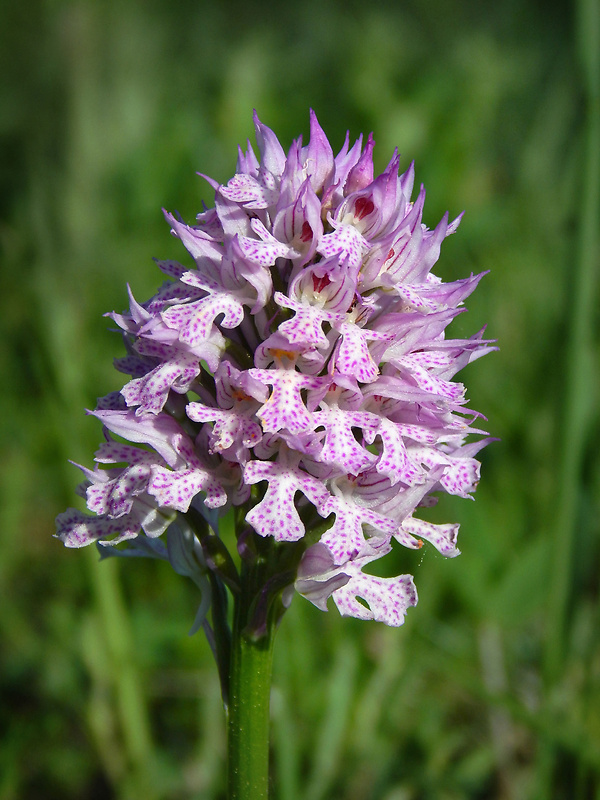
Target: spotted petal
276, 515
388, 599
285, 407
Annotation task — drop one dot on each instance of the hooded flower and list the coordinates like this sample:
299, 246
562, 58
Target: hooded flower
297, 368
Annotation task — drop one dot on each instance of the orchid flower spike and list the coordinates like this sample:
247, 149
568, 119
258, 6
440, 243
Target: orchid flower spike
296, 368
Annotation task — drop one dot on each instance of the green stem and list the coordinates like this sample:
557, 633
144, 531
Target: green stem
248, 710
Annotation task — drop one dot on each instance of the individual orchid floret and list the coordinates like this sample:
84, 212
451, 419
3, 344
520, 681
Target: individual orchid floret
277, 515
296, 370
388, 599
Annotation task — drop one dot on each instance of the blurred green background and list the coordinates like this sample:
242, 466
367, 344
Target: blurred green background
492, 688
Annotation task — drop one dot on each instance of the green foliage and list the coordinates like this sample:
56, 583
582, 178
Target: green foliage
108, 109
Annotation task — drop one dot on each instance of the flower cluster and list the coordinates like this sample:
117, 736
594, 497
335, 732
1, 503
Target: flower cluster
298, 370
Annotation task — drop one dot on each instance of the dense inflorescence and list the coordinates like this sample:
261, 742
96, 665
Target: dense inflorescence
298, 371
